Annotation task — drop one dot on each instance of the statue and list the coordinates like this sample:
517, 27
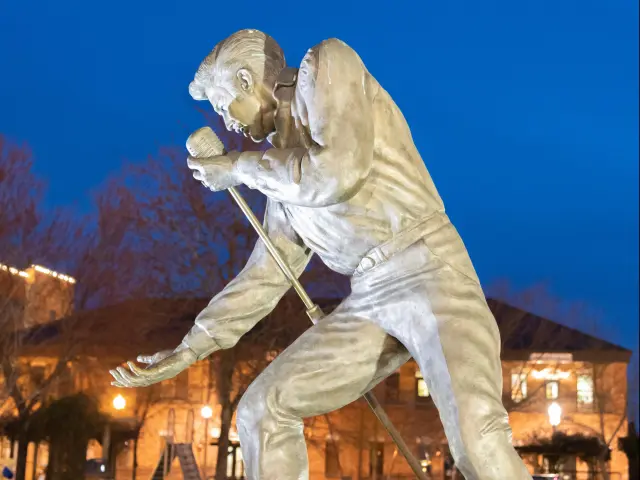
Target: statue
344, 181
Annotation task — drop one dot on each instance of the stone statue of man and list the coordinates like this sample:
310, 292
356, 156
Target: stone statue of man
344, 181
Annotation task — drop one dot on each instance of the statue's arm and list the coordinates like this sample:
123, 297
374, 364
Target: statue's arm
254, 293
332, 89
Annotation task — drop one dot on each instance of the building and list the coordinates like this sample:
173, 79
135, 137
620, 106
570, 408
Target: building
556, 379
29, 298
34, 296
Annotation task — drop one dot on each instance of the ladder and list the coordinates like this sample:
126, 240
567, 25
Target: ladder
187, 460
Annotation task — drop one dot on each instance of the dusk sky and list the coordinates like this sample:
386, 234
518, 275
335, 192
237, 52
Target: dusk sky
526, 113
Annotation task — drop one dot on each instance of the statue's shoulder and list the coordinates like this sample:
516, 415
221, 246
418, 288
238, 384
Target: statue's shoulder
330, 51
331, 47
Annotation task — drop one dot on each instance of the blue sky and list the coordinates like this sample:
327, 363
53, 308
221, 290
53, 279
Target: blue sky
525, 112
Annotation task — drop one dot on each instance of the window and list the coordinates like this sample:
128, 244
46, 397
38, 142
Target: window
585, 391
552, 390
331, 459
424, 457
167, 389
518, 386
235, 466
422, 391
182, 385
392, 388
376, 459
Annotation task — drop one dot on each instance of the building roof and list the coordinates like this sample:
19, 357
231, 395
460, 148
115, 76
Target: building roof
136, 326
524, 333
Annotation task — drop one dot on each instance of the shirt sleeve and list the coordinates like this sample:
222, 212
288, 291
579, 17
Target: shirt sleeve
254, 293
333, 98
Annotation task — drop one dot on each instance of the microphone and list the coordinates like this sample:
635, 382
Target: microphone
204, 143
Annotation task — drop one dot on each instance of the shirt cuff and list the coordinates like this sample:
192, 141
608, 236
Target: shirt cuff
200, 343
246, 167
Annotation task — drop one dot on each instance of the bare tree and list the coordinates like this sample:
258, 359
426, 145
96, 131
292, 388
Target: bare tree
193, 242
36, 302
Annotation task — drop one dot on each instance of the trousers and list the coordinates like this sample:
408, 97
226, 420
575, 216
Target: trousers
424, 302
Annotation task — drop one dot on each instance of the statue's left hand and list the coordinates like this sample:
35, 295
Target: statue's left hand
216, 173
161, 366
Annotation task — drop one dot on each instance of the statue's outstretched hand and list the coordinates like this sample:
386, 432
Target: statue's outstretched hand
161, 366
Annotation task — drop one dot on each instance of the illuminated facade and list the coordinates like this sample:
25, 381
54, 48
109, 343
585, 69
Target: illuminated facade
555, 379
34, 296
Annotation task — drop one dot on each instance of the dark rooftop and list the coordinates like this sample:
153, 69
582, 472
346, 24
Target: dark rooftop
136, 326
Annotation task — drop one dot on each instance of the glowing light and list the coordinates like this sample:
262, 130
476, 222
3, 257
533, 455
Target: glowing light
61, 276
37, 268
206, 412
555, 414
119, 402
215, 432
550, 374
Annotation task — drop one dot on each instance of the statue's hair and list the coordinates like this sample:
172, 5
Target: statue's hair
250, 49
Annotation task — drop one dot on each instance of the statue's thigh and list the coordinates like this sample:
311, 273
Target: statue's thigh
332, 364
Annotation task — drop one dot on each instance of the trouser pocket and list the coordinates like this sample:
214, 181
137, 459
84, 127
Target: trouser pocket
448, 247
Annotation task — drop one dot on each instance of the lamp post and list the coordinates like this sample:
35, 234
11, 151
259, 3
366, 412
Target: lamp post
206, 412
555, 415
119, 402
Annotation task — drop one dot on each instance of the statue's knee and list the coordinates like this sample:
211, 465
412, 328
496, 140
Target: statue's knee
250, 408
485, 432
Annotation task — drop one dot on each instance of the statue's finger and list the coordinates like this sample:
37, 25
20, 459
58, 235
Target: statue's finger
117, 377
128, 378
136, 370
194, 163
198, 175
118, 384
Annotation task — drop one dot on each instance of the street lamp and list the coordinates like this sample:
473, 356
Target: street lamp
119, 402
206, 412
555, 415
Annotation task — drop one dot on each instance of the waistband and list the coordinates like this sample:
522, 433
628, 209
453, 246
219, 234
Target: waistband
401, 241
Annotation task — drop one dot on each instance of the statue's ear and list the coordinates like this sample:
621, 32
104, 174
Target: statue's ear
246, 79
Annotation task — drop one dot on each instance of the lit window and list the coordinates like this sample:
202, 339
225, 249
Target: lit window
552, 390
518, 386
422, 391
585, 391
235, 467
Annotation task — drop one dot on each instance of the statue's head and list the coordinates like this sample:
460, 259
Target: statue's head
238, 77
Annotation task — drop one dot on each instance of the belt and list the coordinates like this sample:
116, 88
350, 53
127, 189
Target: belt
401, 241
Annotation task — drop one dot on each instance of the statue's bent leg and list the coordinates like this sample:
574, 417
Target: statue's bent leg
329, 366
429, 298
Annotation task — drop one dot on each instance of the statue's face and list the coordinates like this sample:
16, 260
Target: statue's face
239, 101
